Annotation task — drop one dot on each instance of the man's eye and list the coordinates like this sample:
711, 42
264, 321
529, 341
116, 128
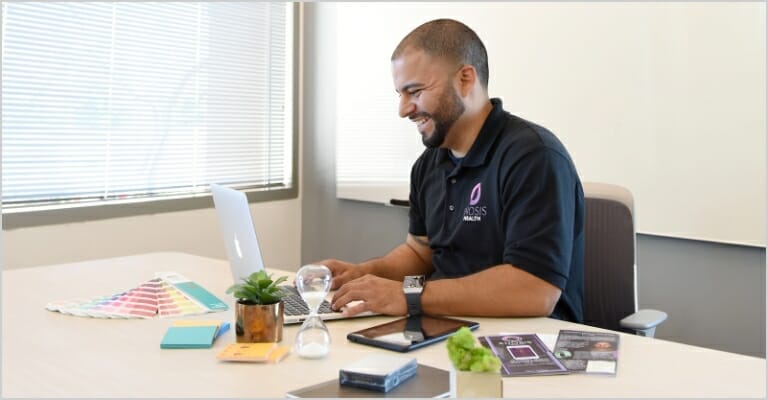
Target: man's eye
415, 93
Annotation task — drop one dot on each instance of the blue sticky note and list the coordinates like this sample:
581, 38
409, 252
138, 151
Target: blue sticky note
189, 337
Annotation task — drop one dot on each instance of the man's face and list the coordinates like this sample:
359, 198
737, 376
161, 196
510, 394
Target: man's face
427, 95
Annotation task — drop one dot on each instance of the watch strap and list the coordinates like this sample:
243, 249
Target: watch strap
413, 300
413, 330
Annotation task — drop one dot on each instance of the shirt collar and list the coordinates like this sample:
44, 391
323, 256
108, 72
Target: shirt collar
478, 153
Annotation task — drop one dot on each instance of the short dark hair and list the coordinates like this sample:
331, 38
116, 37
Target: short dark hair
451, 40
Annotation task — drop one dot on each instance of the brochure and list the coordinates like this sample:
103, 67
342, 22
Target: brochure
588, 352
523, 354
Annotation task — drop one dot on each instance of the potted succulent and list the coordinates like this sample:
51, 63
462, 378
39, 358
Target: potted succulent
259, 308
476, 370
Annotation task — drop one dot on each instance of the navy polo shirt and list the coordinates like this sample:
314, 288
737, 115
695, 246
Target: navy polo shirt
515, 198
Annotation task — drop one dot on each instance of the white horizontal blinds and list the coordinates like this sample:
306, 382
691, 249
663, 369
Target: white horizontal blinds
239, 75
55, 83
116, 100
374, 146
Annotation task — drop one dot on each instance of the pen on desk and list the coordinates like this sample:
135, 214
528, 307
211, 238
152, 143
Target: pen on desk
222, 329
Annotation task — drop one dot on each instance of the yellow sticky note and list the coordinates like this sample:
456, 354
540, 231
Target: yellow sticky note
252, 352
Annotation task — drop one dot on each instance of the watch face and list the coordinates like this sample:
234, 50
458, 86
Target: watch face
413, 282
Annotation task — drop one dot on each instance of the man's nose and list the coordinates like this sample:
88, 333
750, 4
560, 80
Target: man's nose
406, 106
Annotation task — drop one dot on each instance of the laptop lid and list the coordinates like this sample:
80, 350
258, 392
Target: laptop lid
237, 231
244, 254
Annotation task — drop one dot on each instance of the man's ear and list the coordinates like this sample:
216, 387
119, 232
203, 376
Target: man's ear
467, 79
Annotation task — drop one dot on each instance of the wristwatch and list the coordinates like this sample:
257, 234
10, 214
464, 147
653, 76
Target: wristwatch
413, 330
413, 285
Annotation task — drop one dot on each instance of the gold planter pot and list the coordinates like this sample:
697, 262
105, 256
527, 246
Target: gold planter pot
258, 323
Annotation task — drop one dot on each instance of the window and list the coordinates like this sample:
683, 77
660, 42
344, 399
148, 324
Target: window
117, 104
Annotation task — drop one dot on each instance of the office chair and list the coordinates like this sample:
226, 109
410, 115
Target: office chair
610, 276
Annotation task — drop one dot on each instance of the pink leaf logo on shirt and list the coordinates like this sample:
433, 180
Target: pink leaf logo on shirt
474, 197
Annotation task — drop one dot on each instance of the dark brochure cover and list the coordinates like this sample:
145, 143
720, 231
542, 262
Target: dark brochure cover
590, 352
523, 354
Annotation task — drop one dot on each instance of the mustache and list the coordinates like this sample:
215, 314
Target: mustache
418, 115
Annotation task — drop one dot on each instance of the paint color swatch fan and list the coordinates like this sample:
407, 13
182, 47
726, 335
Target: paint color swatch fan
169, 294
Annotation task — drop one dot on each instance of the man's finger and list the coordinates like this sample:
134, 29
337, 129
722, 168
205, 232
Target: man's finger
345, 295
349, 311
342, 297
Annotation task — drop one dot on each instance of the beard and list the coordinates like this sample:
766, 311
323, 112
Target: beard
451, 108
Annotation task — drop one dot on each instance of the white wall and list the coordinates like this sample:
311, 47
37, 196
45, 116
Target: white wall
277, 223
667, 99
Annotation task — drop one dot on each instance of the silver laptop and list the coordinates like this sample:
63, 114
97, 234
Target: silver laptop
245, 256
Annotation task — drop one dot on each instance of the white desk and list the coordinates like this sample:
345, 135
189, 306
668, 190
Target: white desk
48, 354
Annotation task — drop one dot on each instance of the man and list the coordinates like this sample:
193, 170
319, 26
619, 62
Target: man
496, 206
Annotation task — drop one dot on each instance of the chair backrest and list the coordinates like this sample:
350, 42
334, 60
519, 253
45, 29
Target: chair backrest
609, 255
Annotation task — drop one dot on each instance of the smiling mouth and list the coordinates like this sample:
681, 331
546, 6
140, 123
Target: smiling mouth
420, 121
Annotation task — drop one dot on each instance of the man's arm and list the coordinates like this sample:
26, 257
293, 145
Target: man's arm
414, 257
499, 291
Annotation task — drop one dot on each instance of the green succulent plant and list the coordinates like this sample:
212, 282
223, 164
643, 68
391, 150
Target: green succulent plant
258, 288
467, 356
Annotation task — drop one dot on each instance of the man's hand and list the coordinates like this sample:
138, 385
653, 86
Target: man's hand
379, 295
342, 271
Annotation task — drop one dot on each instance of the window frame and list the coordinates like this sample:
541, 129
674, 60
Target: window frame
66, 213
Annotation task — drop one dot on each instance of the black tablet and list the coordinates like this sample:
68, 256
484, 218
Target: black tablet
410, 333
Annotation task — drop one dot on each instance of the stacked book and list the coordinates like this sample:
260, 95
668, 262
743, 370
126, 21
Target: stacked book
168, 294
381, 375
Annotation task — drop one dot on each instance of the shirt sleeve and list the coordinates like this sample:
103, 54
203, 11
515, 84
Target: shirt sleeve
539, 201
416, 224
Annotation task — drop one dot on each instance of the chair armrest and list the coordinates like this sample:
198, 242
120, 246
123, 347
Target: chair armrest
644, 321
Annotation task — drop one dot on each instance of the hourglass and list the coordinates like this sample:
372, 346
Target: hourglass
313, 283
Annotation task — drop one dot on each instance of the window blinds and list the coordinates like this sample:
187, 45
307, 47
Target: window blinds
106, 101
375, 148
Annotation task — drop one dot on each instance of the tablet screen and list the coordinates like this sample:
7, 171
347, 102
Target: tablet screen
410, 333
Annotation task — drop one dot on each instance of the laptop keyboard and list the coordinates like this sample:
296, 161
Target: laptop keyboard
295, 305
